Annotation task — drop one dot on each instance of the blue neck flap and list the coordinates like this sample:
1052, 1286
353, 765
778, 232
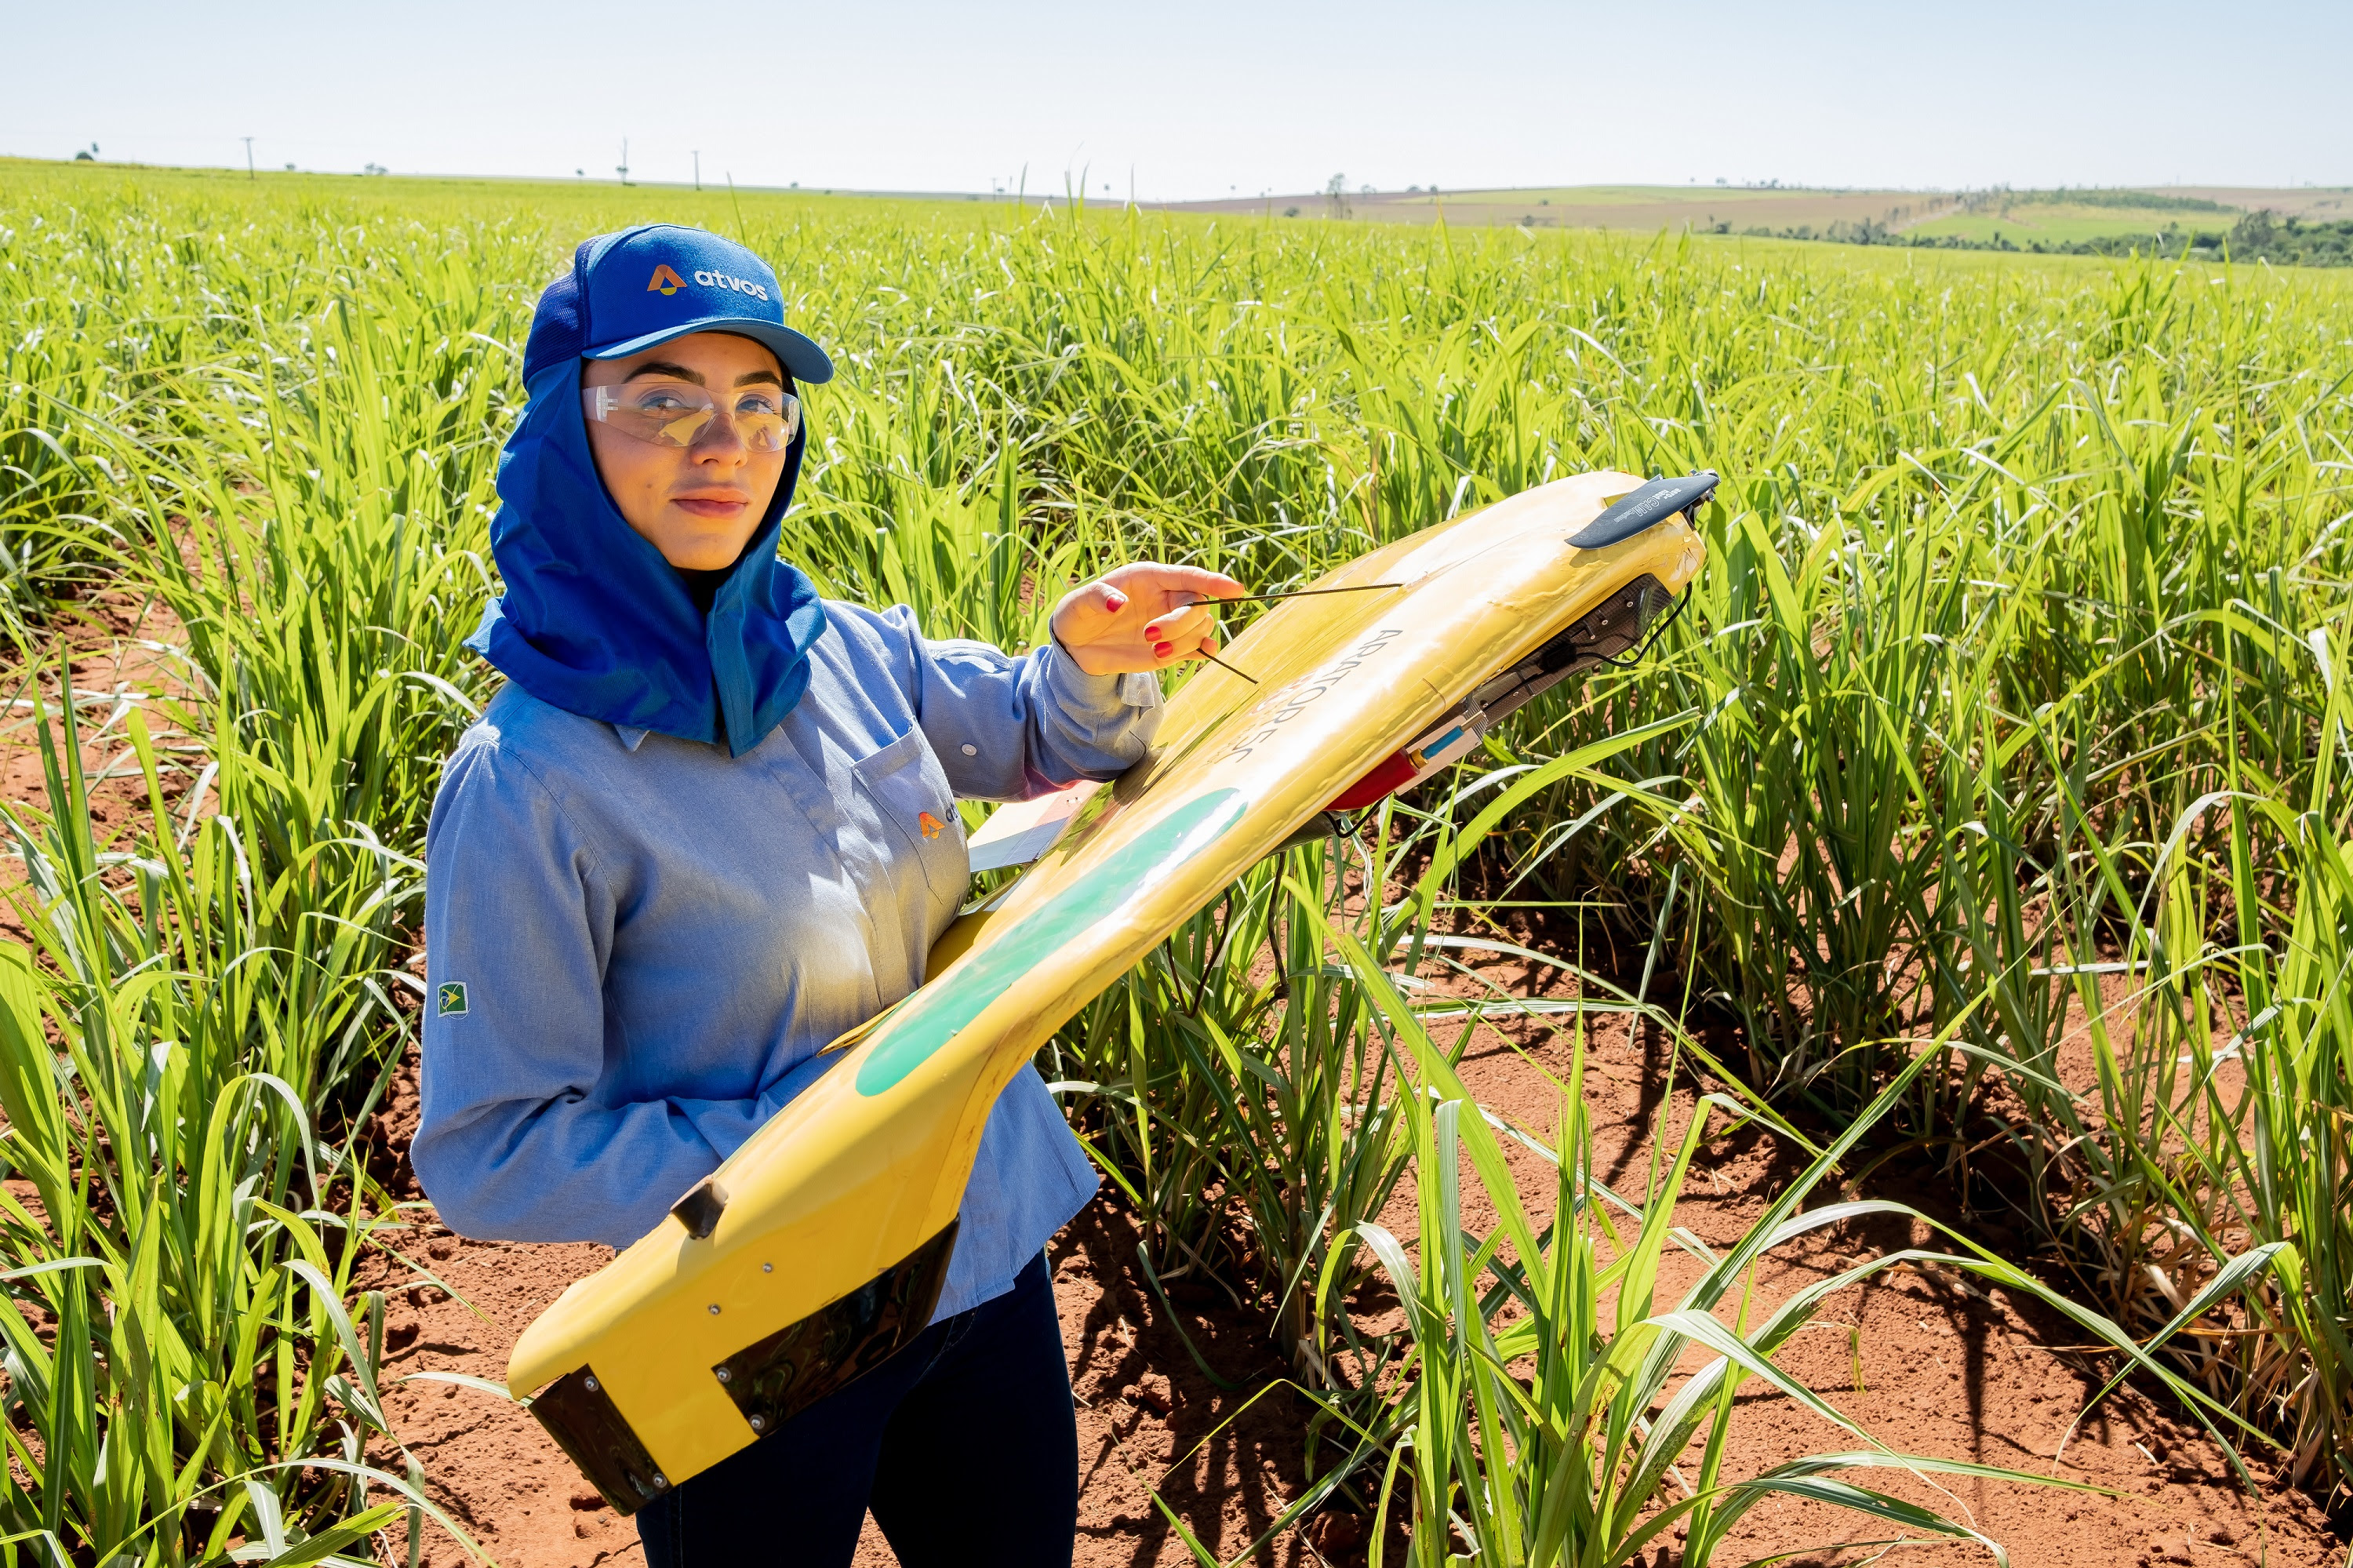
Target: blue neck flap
596, 622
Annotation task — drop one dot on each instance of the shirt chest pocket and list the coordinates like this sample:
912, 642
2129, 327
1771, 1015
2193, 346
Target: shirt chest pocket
910, 793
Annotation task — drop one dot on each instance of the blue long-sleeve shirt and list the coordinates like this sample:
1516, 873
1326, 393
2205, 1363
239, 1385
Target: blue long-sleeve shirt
633, 940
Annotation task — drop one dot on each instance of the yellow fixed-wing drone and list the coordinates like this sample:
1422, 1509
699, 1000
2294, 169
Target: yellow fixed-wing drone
819, 1246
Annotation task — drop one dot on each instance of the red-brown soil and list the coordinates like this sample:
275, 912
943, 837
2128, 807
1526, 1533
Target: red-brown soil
120, 648
1947, 1367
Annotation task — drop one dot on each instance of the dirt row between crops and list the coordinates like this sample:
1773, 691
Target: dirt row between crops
121, 648
1928, 1363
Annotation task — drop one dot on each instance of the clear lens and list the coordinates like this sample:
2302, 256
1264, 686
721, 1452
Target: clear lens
677, 413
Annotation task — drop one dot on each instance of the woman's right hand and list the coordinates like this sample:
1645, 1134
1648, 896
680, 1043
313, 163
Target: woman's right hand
1142, 616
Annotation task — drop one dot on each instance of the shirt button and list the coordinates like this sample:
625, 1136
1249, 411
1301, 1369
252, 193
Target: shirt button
969, 749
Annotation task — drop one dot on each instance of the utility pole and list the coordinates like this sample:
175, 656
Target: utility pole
622, 168
249, 157
698, 171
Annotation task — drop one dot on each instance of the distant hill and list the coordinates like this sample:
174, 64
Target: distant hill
1732, 208
2308, 224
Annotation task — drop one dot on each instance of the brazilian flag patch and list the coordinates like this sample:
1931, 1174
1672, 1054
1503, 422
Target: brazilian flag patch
449, 999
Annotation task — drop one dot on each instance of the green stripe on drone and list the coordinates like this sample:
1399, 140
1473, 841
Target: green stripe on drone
934, 1013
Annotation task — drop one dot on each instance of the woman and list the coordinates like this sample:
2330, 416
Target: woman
708, 825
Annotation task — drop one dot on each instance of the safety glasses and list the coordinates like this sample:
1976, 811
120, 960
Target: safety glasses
677, 413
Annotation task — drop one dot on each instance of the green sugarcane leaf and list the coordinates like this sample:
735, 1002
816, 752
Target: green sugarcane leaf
329, 1542
463, 1379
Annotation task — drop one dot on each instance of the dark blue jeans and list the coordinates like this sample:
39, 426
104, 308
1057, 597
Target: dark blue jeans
964, 1445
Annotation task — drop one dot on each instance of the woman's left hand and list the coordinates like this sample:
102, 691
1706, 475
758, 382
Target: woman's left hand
1143, 616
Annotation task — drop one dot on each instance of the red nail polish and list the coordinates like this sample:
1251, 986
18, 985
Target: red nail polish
1161, 650
1152, 631
1115, 602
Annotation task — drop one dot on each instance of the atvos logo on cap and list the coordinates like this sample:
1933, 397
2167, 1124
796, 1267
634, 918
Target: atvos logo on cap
740, 285
666, 282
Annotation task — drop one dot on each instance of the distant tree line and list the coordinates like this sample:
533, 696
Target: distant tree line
2003, 199
2259, 236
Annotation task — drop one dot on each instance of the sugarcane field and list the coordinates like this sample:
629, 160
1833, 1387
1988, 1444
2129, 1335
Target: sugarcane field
1640, 872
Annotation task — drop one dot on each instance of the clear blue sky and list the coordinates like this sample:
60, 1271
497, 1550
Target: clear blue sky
1193, 100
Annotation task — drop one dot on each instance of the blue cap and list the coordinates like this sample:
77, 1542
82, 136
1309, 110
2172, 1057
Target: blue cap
627, 292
